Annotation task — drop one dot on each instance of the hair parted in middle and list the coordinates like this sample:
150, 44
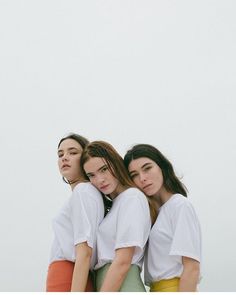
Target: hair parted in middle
114, 161
170, 181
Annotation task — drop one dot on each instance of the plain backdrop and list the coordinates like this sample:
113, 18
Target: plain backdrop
127, 71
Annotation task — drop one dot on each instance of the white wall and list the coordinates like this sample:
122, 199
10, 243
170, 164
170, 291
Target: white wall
158, 72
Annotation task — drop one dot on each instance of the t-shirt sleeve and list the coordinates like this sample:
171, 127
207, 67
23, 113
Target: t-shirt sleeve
84, 216
133, 223
187, 233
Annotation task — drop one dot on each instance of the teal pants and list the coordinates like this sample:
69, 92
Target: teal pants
132, 282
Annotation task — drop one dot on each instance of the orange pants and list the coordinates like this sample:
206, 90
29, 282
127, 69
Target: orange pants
60, 275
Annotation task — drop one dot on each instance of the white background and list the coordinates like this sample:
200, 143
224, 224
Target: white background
158, 72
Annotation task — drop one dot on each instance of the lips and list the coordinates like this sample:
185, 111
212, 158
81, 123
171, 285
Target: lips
146, 186
104, 187
65, 166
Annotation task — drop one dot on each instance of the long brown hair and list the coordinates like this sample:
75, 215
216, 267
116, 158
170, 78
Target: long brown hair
170, 181
114, 161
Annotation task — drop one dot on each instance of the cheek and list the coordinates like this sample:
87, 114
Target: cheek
160, 180
136, 181
113, 180
93, 181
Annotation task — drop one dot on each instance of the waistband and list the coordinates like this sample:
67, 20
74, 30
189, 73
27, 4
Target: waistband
131, 283
62, 262
170, 285
60, 274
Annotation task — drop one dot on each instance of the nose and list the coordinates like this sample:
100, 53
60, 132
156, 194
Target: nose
64, 157
100, 179
97, 180
142, 177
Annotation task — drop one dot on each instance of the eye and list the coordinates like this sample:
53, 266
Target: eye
60, 155
147, 168
73, 153
133, 175
104, 169
90, 176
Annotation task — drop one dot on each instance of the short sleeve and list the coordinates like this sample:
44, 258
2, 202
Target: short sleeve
187, 233
84, 215
133, 223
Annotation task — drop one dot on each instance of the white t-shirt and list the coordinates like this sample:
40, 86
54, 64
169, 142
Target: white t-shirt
176, 233
77, 222
127, 224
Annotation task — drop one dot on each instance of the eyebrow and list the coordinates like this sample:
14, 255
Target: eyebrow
104, 166
143, 166
69, 149
97, 170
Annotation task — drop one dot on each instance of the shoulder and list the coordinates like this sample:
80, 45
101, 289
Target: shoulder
133, 191
181, 205
133, 195
179, 200
86, 188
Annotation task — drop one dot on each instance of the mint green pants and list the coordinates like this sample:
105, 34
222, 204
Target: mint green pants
132, 282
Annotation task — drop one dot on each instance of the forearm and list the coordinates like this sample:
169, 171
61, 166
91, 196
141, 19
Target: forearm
80, 275
115, 276
81, 270
189, 280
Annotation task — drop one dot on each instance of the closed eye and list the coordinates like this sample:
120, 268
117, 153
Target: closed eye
73, 153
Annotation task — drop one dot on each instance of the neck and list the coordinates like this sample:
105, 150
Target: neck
74, 182
163, 196
119, 189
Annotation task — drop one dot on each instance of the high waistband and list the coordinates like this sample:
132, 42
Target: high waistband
132, 282
59, 278
170, 285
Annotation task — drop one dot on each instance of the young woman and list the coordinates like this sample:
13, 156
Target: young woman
73, 251
174, 247
123, 233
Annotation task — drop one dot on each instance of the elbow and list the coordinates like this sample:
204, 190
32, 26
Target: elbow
123, 266
192, 271
191, 267
195, 269
84, 254
197, 273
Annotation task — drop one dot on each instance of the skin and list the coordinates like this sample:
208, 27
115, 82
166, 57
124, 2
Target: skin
148, 177
69, 153
100, 176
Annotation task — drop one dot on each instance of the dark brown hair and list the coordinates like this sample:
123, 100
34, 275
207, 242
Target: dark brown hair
83, 142
170, 181
79, 138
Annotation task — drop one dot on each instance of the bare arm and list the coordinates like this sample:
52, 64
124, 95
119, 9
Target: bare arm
81, 269
118, 270
190, 275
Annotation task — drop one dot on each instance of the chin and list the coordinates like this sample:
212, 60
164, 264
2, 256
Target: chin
151, 194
